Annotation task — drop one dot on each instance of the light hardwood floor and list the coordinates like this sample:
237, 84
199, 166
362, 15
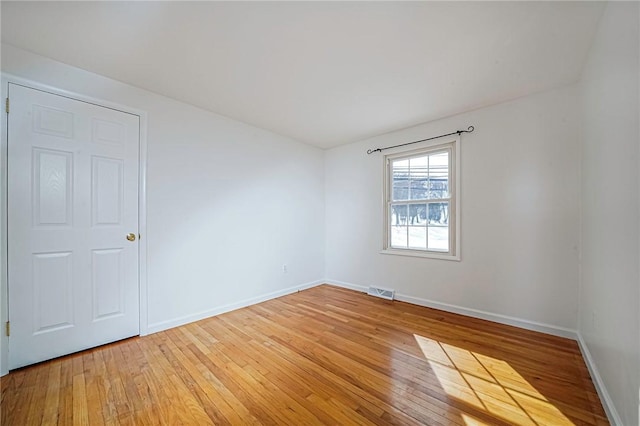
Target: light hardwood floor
321, 356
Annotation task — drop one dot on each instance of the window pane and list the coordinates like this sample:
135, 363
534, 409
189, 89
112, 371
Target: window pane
419, 163
438, 213
439, 175
418, 177
398, 214
400, 172
399, 236
439, 160
439, 238
438, 188
417, 215
418, 237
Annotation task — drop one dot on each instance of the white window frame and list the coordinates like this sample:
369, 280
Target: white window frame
452, 144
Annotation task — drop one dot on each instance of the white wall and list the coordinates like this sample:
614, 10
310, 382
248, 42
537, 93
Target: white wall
519, 212
228, 204
610, 279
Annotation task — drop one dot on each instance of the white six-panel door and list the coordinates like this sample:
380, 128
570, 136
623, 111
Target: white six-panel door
72, 200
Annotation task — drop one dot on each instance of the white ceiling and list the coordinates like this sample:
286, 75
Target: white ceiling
324, 73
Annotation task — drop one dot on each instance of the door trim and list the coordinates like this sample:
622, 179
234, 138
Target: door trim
7, 79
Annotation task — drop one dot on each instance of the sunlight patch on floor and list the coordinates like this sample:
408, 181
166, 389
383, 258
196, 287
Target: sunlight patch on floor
488, 384
472, 421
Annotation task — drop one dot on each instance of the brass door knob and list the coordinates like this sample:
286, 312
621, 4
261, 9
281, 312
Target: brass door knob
131, 237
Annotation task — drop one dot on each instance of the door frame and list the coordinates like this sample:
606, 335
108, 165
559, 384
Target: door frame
6, 79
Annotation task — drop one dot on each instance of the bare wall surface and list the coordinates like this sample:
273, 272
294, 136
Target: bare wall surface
519, 212
610, 279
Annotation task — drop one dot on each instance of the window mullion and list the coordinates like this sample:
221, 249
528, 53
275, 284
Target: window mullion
407, 226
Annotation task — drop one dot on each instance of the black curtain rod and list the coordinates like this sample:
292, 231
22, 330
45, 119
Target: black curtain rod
457, 132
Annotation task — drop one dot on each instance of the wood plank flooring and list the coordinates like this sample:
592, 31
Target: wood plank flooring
321, 356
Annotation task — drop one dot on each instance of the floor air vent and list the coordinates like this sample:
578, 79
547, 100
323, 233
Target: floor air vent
384, 293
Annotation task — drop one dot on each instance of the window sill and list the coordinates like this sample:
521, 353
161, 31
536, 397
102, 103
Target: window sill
416, 253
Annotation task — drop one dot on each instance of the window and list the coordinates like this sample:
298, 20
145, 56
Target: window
421, 202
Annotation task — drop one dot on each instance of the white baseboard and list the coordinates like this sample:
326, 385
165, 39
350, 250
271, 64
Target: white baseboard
489, 316
475, 313
350, 286
176, 322
607, 402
